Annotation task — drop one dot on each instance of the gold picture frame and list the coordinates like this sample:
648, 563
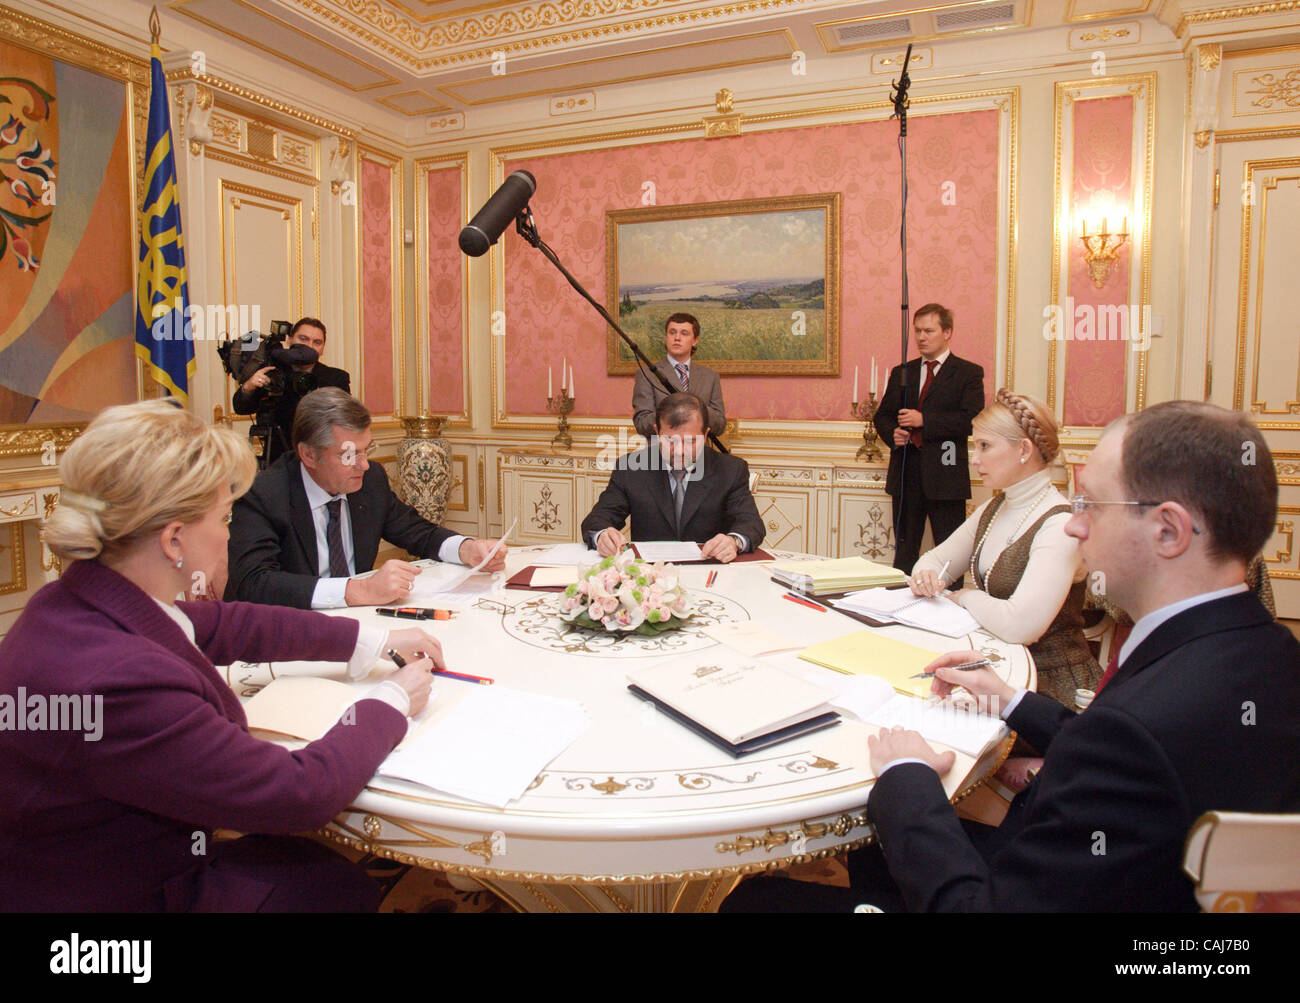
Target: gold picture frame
761, 275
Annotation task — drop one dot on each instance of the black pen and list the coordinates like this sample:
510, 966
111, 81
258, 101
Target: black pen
963, 667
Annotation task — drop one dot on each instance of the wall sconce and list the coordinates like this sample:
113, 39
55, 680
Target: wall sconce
1101, 250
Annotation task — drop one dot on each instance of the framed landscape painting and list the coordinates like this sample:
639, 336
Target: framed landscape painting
760, 275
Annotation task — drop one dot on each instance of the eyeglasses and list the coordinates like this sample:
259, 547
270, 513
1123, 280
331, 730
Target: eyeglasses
1081, 503
349, 452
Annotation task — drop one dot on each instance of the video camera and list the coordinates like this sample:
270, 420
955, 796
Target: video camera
243, 357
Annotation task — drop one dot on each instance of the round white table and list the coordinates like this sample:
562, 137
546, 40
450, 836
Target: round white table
638, 814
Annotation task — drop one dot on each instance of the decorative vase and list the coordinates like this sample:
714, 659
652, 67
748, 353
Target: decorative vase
424, 466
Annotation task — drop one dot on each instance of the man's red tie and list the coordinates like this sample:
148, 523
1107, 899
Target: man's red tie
1116, 642
925, 392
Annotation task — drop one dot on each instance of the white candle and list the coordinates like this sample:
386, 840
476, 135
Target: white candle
564, 373
550, 392
873, 374
572, 391
855, 384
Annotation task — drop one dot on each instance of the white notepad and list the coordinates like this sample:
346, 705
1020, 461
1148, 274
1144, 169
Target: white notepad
491, 745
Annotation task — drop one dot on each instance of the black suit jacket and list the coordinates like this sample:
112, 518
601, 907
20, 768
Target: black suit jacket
717, 502
953, 402
273, 553
279, 411
1202, 716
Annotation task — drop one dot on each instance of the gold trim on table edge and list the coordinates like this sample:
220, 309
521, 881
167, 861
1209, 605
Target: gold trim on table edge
735, 870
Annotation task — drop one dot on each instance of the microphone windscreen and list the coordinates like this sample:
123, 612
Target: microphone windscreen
497, 213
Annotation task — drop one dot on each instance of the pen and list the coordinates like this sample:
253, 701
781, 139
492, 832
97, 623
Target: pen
804, 602
963, 667
464, 677
418, 613
400, 662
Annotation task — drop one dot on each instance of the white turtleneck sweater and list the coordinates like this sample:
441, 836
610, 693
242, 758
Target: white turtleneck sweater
1053, 567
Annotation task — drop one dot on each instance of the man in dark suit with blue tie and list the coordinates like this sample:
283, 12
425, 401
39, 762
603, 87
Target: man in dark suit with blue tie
675, 489
309, 527
929, 475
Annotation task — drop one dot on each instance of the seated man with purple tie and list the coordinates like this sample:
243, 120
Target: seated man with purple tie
294, 543
681, 337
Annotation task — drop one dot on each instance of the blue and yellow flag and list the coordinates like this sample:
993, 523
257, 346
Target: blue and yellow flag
162, 327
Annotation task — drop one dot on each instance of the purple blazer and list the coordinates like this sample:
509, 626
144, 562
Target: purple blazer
120, 823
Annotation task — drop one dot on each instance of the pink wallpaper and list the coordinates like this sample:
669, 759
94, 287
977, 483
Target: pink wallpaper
952, 253
446, 216
1103, 158
377, 331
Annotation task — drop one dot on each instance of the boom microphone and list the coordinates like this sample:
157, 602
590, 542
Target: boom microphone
497, 213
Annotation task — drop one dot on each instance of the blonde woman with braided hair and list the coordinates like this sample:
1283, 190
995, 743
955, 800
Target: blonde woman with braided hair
1026, 580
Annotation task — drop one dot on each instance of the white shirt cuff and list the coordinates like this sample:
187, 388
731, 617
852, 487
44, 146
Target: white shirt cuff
370, 643
744, 543
449, 552
895, 762
330, 593
1013, 703
392, 694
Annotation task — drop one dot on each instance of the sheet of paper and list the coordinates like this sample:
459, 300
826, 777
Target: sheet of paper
491, 745
858, 695
543, 577
937, 613
562, 555
749, 637
451, 586
672, 551
959, 729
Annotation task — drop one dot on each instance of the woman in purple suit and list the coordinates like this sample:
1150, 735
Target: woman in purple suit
123, 747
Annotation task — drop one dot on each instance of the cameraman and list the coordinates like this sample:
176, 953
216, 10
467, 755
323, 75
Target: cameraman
258, 394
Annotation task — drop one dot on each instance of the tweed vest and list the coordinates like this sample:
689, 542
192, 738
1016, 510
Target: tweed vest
1061, 655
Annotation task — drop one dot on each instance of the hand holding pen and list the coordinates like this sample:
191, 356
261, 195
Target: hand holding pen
927, 583
979, 681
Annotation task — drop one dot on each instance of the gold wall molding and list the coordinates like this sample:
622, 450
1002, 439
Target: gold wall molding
17, 561
1244, 279
253, 97
392, 162
1229, 13
1142, 86
30, 440
422, 166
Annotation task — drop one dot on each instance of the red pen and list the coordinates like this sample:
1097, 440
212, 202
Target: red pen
804, 602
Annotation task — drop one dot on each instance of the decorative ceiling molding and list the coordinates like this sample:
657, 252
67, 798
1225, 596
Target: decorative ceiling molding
422, 49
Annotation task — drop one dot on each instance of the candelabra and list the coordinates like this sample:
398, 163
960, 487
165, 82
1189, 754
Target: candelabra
1100, 253
563, 406
865, 412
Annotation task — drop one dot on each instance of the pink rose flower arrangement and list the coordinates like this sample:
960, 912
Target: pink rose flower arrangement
624, 593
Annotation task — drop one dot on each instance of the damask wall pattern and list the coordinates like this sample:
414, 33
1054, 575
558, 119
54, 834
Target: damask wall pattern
1095, 369
953, 212
446, 216
377, 333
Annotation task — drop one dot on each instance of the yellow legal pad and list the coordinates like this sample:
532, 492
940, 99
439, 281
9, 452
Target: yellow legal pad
867, 653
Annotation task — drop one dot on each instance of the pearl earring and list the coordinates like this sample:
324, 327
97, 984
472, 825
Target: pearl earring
179, 562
